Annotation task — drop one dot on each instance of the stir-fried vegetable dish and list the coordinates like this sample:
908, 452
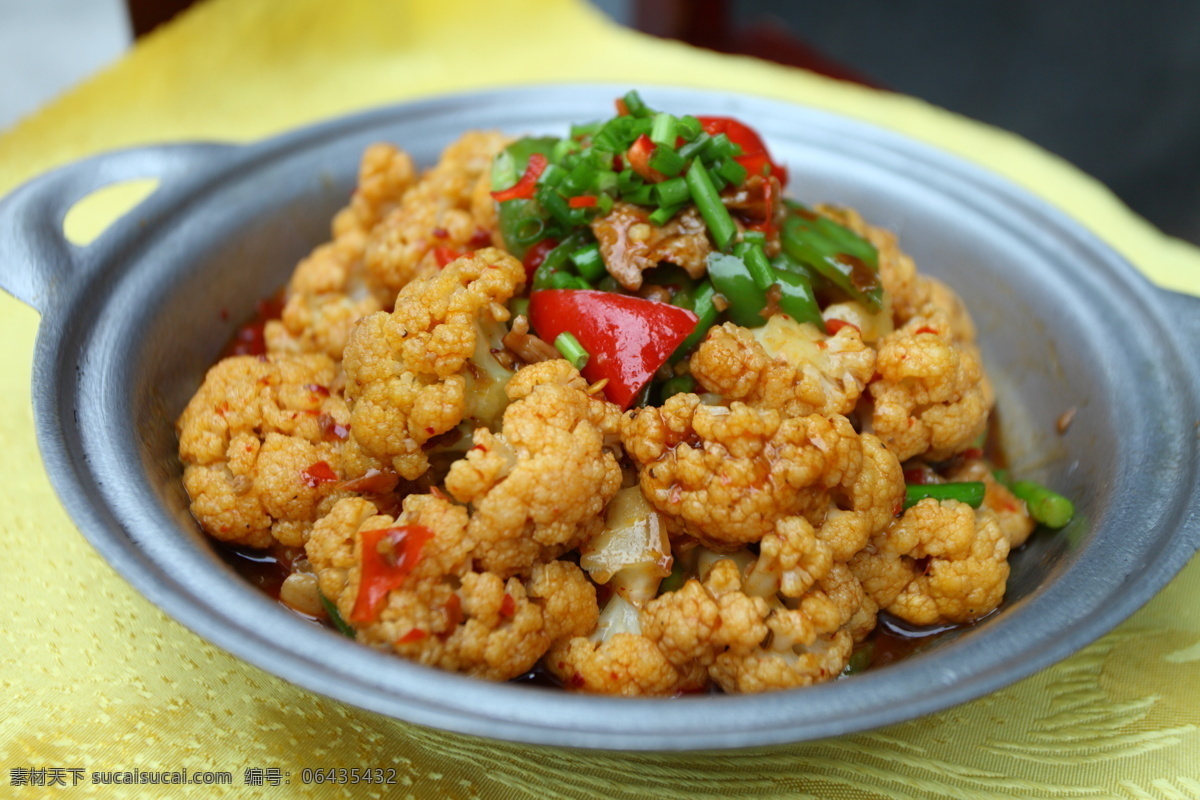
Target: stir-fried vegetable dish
611, 405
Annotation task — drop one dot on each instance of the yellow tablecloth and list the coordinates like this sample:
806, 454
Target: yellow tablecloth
96, 679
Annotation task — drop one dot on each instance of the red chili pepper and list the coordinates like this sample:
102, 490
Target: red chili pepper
315, 474
754, 153
582, 201
413, 635
444, 255
523, 189
388, 556
638, 156
508, 606
479, 238
535, 255
627, 338
835, 325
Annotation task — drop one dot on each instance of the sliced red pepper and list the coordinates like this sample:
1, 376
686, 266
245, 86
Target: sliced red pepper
523, 188
444, 255
835, 325
627, 338
413, 635
582, 201
754, 153
315, 474
388, 556
508, 606
638, 156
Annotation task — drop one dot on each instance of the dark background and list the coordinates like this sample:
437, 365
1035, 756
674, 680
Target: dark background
1113, 86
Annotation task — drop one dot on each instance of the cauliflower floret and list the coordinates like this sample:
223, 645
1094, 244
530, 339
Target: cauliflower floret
330, 290
785, 365
445, 208
725, 475
537, 488
1012, 515
939, 562
865, 504
444, 613
260, 447
412, 374
808, 639
932, 397
618, 659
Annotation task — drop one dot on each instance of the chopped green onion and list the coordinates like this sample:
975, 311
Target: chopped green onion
796, 299
671, 192
969, 492
605, 182
1049, 508
663, 132
589, 262
690, 127
661, 216
518, 307
335, 617
756, 262
720, 225
634, 104
680, 384
628, 181
667, 161
604, 204
695, 146
700, 302
584, 129
565, 280
731, 277
642, 195
552, 175
730, 170
754, 237
571, 349
720, 147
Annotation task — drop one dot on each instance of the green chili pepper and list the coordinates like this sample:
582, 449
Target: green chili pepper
843, 257
796, 299
731, 277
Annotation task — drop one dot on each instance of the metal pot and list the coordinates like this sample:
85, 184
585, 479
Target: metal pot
131, 322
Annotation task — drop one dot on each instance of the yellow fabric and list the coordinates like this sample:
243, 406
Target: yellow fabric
94, 677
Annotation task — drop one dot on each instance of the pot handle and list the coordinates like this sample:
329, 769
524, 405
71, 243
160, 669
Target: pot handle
37, 260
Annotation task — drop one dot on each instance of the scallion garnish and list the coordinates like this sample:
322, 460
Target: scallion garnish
571, 349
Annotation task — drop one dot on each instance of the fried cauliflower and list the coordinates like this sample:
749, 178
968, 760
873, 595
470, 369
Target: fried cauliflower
724, 475
436, 438
260, 443
448, 209
331, 290
787, 366
932, 398
419, 371
538, 487
445, 613
939, 562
